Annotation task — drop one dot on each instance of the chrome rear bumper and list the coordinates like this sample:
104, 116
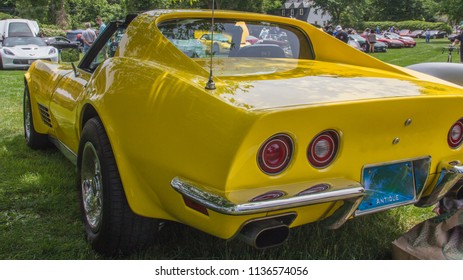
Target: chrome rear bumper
350, 192
339, 189
451, 175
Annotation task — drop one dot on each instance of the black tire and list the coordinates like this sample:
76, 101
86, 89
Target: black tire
1, 63
110, 225
33, 139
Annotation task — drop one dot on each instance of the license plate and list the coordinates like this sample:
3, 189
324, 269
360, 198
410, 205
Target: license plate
387, 186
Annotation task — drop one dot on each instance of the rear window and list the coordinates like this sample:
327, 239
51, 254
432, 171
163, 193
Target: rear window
236, 39
19, 29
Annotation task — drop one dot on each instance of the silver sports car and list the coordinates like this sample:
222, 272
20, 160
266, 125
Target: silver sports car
20, 52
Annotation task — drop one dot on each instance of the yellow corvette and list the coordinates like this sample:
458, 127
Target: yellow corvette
221, 44
269, 137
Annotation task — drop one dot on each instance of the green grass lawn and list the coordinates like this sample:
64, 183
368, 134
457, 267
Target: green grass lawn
423, 52
39, 212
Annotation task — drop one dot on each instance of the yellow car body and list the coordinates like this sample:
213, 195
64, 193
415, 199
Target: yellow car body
220, 45
191, 155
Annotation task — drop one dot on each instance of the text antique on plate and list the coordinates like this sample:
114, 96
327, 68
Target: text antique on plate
389, 185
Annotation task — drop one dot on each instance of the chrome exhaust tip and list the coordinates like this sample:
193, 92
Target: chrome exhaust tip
264, 234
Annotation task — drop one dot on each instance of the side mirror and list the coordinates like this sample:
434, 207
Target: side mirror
70, 54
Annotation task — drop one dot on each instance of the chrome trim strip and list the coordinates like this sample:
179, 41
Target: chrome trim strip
349, 190
450, 173
67, 152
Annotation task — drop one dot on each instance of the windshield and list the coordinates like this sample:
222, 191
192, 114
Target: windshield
236, 39
17, 29
18, 41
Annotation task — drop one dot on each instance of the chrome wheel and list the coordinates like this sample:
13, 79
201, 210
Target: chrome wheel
110, 225
92, 187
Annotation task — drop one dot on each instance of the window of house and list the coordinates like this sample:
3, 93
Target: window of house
292, 12
283, 12
301, 12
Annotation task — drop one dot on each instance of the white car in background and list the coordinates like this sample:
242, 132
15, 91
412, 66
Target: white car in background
20, 52
18, 28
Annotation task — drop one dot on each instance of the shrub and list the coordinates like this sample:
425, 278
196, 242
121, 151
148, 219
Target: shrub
50, 30
5, 16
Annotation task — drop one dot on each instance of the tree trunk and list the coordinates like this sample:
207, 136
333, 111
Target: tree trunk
61, 15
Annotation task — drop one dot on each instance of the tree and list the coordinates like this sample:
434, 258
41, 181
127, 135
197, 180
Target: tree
57, 9
80, 11
32, 9
259, 6
337, 8
452, 8
399, 10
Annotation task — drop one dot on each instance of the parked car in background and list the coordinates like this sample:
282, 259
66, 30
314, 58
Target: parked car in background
416, 33
438, 34
190, 47
21, 52
435, 34
242, 146
391, 43
222, 42
74, 37
379, 46
408, 41
59, 42
18, 28
404, 32
355, 44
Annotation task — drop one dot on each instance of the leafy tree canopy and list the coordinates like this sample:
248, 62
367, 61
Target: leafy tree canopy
73, 13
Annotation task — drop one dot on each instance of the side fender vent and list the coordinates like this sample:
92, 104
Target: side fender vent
45, 114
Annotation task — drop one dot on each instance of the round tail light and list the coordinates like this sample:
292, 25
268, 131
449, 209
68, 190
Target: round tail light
455, 136
323, 149
275, 154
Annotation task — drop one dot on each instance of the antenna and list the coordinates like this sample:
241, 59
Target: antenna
210, 84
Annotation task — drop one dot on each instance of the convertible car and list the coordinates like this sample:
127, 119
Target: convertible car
245, 145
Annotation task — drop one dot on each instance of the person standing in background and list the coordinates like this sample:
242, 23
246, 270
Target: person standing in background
102, 26
341, 34
459, 40
427, 33
371, 39
88, 36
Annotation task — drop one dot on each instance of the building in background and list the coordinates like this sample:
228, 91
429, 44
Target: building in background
305, 10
